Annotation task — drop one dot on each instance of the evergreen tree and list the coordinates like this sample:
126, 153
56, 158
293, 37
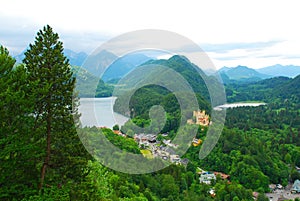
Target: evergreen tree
17, 164
62, 156
262, 197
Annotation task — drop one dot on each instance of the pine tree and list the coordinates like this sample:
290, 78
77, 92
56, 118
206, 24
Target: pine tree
62, 155
17, 164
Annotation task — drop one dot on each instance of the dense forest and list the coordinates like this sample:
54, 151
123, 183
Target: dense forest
43, 158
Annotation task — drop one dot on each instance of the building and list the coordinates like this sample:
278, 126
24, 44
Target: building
175, 159
196, 142
222, 175
255, 195
272, 187
200, 118
212, 192
117, 132
296, 187
207, 178
145, 139
170, 144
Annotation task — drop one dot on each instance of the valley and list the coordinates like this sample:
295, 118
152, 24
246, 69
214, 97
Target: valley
50, 152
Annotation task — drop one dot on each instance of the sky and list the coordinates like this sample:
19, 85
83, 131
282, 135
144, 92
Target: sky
233, 32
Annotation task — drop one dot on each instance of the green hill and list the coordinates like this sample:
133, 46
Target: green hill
269, 90
149, 95
89, 86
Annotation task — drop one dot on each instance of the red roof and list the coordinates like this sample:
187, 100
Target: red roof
223, 175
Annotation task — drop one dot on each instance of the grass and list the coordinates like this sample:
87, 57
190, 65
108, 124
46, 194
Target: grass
147, 153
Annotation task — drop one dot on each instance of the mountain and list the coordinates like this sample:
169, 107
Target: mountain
188, 70
156, 82
90, 86
289, 90
96, 64
19, 58
75, 59
184, 70
124, 65
241, 74
280, 70
224, 69
85, 82
268, 90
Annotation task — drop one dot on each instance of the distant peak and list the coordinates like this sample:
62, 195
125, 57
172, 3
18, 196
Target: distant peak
244, 67
179, 57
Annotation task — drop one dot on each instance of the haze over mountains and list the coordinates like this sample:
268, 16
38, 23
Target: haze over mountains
280, 70
127, 63
246, 74
76, 59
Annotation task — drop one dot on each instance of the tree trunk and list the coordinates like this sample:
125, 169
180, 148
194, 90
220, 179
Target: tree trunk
48, 151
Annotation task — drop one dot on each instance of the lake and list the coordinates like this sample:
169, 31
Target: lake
233, 105
99, 112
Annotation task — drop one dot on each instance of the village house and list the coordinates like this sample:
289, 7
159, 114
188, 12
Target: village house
272, 187
207, 178
144, 139
168, 143
212, 192
222, 175
296, 187
117, 132
255, 195
175, 159
196, 142
165, 152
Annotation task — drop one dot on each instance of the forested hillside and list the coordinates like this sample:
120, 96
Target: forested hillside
274, 89
43, 158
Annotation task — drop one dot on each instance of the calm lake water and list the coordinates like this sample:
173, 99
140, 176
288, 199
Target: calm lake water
99, 112
233, 105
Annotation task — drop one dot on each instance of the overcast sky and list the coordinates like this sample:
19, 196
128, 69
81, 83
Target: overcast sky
252, 33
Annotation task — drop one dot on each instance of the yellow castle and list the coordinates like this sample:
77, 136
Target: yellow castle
201, 118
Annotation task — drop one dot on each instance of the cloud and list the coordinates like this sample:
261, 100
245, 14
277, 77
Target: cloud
291, 57
270, 56
226, 47
82, 41
17, 33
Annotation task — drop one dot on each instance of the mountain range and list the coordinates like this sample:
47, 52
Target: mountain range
75, 59
121, 66
125, 64
95, 63
246, 74
280, 70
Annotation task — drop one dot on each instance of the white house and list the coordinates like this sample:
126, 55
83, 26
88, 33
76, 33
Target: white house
296, 187
207, 177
